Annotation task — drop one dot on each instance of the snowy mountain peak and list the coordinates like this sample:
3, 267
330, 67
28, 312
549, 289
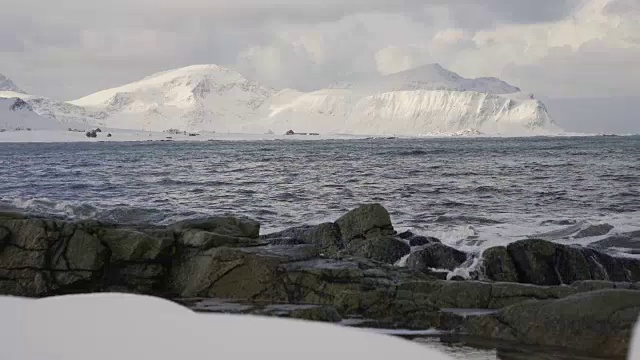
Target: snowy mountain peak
199, 97
436, 77
7, 85
426, 77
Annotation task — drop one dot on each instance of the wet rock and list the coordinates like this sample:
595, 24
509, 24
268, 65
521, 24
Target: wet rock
383, 248
224, 225
304, 312
372, 219
204, 240
436, 256
629, 240
326, 236
422, 240
498, 265
545, 263
594, 285
234, 273
482, 295
132, 245
594, 230
416, 240
596, 323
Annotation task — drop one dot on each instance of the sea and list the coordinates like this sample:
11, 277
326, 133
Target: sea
472, 193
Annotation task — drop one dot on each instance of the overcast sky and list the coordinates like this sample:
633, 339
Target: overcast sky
555, 48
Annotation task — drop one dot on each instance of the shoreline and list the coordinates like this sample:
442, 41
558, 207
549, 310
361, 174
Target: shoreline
124, 135
332, 272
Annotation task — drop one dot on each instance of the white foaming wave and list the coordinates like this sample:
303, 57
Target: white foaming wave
56, 207
475, 238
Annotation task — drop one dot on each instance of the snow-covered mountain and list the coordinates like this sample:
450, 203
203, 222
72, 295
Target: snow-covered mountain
410, 113
59, 111
427, 77
200, 97
16, 114
422, 101
7, 85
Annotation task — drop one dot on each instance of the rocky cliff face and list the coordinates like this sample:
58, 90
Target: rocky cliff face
326, 272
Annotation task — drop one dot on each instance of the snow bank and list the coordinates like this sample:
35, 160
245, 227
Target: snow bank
129, 327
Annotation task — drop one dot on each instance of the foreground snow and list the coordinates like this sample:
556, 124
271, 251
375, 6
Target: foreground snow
129, 327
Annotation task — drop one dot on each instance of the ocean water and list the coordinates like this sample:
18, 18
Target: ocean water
470, 192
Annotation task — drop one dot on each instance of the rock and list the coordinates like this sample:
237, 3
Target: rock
545, 263
205, 240
422, 240
39, 257
81, 252
498, 265
326, 236
132, 245
630, 240
594, 285
20, 104
240, 273
362, 221
224, 225
596, 323
406, 235
436, 256
594, 230
320, 313
385, 248
482, 295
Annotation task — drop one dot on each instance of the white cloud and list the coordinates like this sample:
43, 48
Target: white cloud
68, 48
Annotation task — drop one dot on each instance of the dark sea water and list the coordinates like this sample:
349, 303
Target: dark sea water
470, 192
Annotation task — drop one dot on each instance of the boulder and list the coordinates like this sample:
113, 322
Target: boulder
422, 240
498, 265
384, 248
416, 240
436, 256
597, 323
542, 262
233, 273
364, 221
367, 232
39, 257
326, 236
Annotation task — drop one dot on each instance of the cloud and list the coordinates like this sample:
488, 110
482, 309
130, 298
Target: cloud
68, 48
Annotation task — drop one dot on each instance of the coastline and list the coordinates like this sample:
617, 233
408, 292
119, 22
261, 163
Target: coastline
125, 135
333, 272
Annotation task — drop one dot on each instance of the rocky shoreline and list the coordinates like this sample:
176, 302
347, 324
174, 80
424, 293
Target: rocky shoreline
531, 292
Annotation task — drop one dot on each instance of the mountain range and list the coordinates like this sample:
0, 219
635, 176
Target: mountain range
421, 101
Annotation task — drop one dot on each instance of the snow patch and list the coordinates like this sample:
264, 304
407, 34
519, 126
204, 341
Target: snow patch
130, 327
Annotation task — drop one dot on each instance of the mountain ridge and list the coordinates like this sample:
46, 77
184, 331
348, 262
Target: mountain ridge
425, 100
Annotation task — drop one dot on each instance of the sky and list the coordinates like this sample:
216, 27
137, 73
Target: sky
66, 49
